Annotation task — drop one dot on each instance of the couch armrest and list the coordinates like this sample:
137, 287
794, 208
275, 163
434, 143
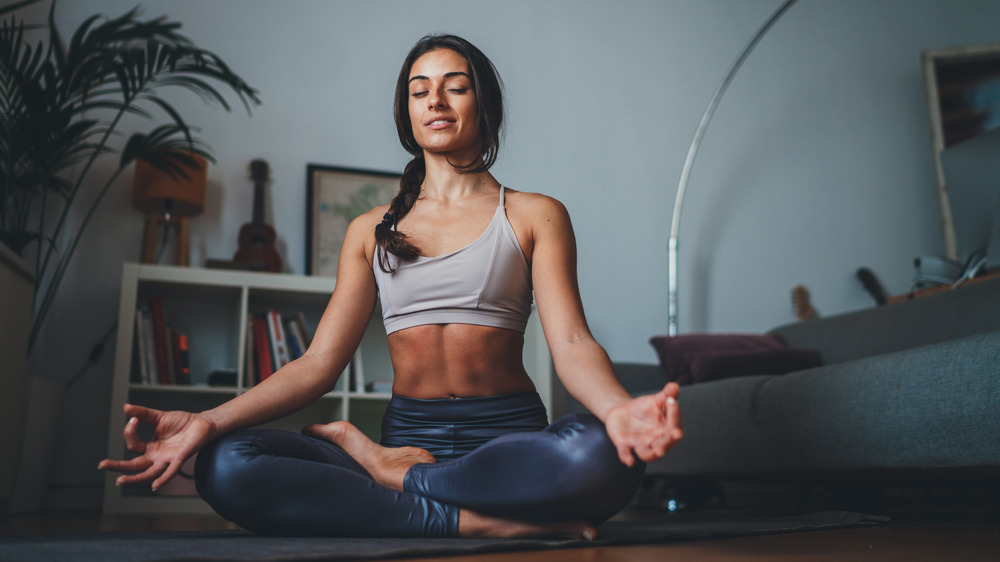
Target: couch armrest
637, 378
640, 378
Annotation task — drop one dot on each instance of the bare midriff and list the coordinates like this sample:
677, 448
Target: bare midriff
457, 361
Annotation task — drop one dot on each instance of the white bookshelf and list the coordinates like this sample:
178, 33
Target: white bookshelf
212, 307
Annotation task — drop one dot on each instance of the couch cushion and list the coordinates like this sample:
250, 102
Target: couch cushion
933, 407
697, 358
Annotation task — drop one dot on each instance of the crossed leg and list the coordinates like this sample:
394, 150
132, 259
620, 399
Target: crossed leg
568, 472
283, 483
389, 465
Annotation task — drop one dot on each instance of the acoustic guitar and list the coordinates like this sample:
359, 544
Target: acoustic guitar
256, 248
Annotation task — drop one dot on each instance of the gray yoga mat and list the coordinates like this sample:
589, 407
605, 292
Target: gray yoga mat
241, 545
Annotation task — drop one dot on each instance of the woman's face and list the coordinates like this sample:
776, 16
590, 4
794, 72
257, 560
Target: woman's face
442, 104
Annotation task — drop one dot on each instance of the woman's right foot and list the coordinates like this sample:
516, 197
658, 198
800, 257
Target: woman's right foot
387, 465
473, 524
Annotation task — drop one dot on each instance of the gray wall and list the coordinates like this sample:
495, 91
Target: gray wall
817, 162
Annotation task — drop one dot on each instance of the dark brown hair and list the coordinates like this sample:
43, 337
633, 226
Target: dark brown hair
489, 119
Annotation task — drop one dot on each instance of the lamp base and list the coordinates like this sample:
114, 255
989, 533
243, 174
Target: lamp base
151, 237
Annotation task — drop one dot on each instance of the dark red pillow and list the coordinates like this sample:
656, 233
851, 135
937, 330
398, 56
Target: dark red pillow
694, 358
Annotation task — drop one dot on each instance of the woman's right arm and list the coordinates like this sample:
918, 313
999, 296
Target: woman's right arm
178, 435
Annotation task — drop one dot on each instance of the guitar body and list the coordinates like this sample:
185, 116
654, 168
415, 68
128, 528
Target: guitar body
257, 248
256, 242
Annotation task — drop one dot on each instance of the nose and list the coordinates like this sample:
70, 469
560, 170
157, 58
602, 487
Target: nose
435, 100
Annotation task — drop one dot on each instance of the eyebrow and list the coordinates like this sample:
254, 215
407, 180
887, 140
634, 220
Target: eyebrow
446, 75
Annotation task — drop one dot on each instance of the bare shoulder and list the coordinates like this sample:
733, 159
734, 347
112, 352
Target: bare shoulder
371, 218
361, 232
535, 209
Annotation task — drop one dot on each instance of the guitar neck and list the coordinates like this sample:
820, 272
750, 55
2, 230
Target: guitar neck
258, 203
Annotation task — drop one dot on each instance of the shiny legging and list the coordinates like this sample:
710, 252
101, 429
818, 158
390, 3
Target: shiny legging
493, 454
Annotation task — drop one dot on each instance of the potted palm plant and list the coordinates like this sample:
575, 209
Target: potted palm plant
63, 104
61, 109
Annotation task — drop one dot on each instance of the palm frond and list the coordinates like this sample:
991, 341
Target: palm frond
61, 105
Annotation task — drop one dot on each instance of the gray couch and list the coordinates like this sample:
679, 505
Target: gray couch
907, 392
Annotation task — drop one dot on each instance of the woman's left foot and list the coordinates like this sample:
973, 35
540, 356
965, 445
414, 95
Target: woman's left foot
387, 465
472, 524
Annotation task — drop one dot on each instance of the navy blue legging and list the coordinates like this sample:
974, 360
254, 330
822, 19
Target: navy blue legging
494, 456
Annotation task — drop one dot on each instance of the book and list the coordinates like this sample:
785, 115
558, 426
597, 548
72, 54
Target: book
141, 344
279, 344
160, 339
147, 319
182, 367
294, 347
250, 376
296, 337
168, 342
299, 321
263, 347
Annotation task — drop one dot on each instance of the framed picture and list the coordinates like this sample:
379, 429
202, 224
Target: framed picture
336, 196
963, 98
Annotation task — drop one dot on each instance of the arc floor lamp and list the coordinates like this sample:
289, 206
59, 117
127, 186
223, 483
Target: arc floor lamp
675, 222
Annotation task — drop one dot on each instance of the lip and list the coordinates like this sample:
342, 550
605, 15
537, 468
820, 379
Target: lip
439, 123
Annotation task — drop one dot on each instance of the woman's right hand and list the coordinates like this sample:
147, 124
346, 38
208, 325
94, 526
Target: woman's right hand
176, 436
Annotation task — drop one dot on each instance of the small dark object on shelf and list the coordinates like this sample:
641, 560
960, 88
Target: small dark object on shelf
237, 265
222, 377
873, 286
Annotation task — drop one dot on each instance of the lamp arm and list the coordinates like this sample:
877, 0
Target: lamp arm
675, 221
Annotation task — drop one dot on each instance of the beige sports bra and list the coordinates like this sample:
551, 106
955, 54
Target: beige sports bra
487, 283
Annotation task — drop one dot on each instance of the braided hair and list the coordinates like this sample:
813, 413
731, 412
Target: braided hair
489, 102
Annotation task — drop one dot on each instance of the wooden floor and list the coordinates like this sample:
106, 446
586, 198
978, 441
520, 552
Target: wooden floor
909, 541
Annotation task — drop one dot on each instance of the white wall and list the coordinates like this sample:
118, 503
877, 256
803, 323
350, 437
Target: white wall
817, 161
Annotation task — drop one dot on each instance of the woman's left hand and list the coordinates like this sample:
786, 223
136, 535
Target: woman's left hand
646, 426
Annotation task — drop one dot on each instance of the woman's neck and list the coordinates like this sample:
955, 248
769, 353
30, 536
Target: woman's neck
443, 181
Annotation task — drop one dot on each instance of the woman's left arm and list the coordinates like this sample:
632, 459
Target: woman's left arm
645, 427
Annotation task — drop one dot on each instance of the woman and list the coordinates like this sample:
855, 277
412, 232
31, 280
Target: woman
465, 451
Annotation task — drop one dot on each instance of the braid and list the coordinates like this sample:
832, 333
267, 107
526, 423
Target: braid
389, 240
489, 98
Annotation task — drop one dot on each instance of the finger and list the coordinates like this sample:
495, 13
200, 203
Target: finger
625, 454
654, 448
652, 455
657, 448
674, 420
131, 465
151, 472
643, 452
132, 441
172, 469
143, 466
671, 389
147, 415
